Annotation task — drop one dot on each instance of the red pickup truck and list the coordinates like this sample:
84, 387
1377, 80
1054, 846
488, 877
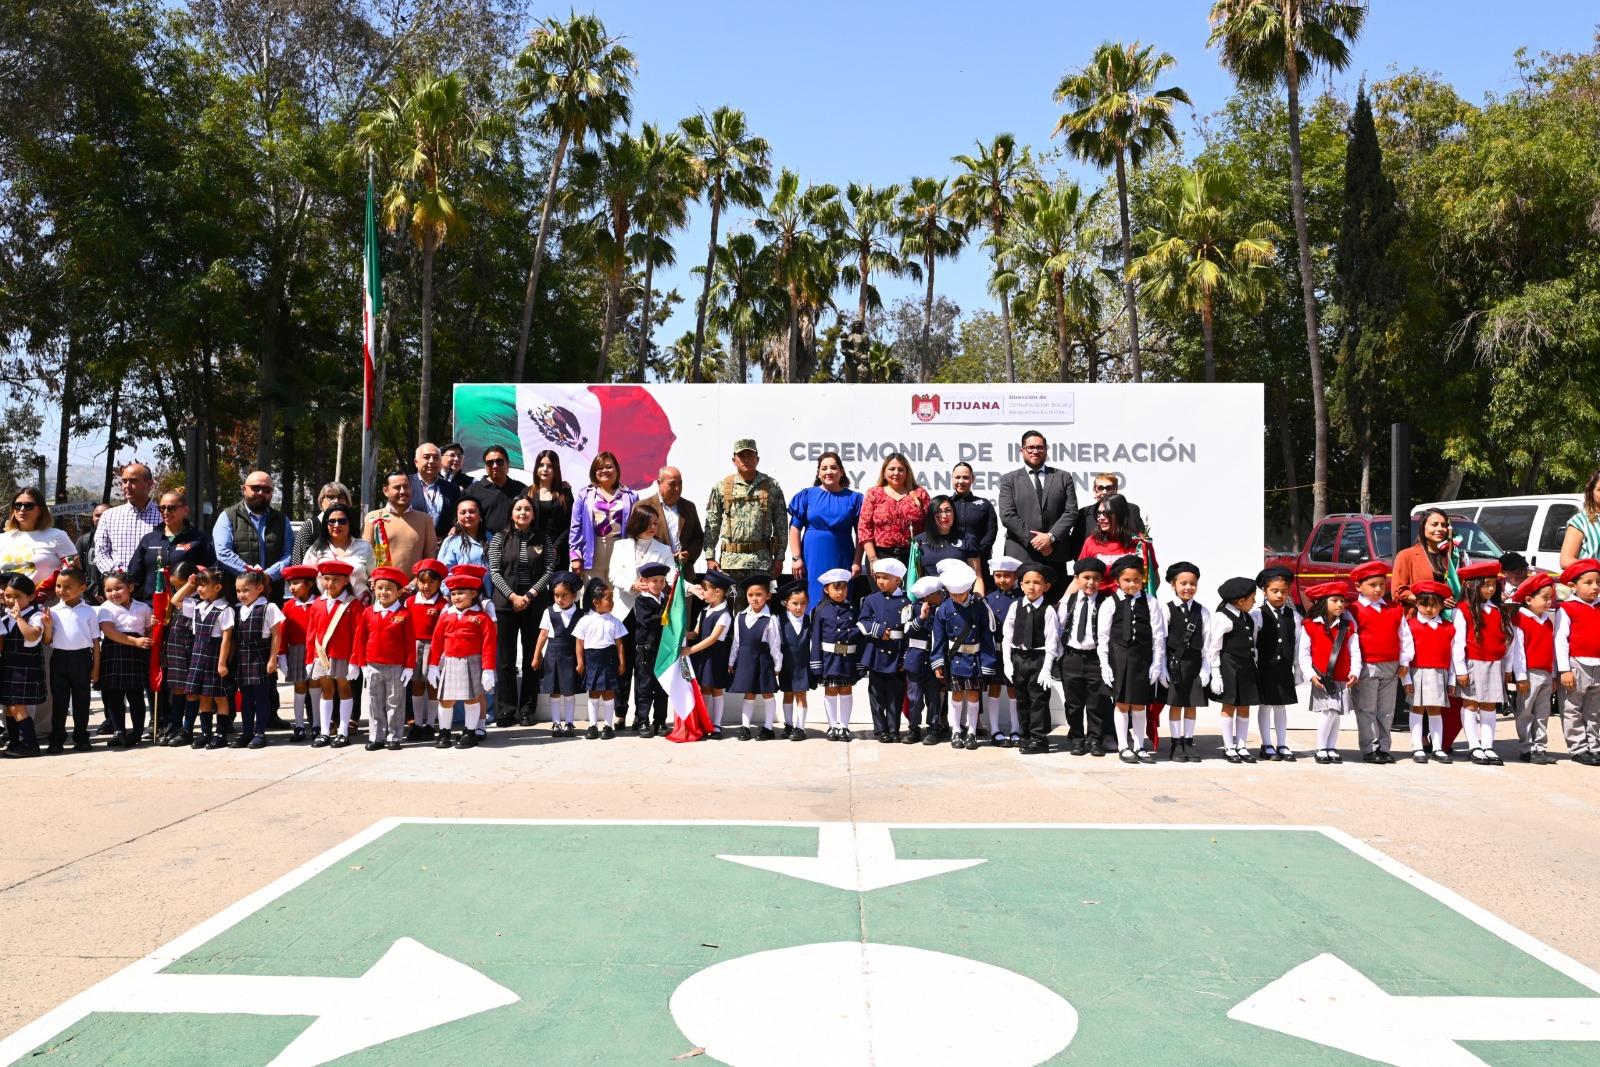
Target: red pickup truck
1340, 543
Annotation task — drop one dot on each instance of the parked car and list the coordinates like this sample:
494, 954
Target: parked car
1340, 543
1531, 525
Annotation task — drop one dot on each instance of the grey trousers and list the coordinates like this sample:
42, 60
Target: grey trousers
1374, 698
1533, 711
1580, 710
386, 702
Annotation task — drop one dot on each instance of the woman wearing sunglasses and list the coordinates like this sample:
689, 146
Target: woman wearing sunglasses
31, 545
335, 538
169, 544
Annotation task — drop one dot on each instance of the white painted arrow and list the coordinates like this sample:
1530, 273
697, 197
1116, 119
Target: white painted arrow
411, 989
854, 856
1327, 1001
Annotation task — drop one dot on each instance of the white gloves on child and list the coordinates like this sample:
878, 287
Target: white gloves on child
369, 674
433, 676
353, 672
405, 676
487, 679
1216, 684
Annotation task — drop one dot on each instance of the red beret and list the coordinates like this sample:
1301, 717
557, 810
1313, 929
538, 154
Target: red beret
1532, 586
299, 570
1438, 589
464, 581
429, 565
1323, 590
471, 569
1376, 568
335, 566
1486, 569
390, 574
1578, 570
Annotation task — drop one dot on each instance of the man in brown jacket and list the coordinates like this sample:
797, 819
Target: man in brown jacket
410, 533
678, 522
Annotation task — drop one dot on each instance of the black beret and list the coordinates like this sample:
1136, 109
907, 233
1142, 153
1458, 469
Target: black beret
1236, 589
1125, 562
1182, 567
1089, 565
1272, 574
764, 581
718, 579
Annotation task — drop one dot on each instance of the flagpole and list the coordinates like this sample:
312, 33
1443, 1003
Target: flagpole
369, 333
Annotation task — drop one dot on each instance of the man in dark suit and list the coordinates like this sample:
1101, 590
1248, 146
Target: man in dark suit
1039, 508
431, 491
678, 523
1105, 484
454, 458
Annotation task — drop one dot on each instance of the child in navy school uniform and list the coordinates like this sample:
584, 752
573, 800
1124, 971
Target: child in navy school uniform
1077, 669
1231, 655
601, 659
207, 683
963, 650
124, 659
835, 651
252, 645
883, 651
22, 678
557, 652
1188, 666
1132, 628
649, 699
757, 646
1278, 631
177, 641
711, 643
1002, 707
794, 676
922, 685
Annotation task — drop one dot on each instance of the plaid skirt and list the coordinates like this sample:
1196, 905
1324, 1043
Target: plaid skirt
1430, 687
204, 681
336, 669
1335, 699
296, 671
176, 645
22, 677
460, 679
123, 668
1486, 682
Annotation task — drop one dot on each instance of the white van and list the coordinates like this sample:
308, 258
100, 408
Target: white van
1532, 525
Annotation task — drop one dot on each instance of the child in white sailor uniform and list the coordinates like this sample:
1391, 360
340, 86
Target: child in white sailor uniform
124, 659
711, 644
1132, 627
74, 660
1001, 709
922, 685
1425, 653
1278, 629
1330, 656
1578, 660
601, 658
1188, 659
1231, 654
1487, 650
794, 675
757, 647
556, 653
835, 651
964, 656
1535, 597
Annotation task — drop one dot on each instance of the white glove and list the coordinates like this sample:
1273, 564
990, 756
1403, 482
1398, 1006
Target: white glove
369, 674
1157, 670
405, 676
1105, 676
353, 672
433, 676
487, 680
1205, 677
283, 666
1216, 684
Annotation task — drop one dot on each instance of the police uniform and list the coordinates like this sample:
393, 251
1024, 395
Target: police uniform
747, 524
884, 652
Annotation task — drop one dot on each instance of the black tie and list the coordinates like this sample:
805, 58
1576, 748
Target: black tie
1038, 490
1083, 618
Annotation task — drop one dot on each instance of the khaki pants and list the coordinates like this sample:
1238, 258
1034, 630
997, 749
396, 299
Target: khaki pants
1374, 696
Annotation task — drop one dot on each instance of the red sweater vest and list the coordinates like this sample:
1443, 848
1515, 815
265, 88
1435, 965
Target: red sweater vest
461, 635
384, 639
1583, 629
1321, 639
1430, 645
424, 616
295, 614
1538, 641
1380, 631
1489, 644
342, 642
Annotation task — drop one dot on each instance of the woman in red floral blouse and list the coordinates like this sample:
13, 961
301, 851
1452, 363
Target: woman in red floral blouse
893, 511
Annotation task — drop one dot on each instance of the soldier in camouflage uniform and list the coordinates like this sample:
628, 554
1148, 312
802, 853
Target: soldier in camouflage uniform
747, 522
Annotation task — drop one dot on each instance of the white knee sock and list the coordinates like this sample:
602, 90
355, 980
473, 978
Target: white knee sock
746, 709
346, 713
594, 711
1264, 722
714, 706
1004, 719
800, 710
1436, 732
1280, 724
572, 706
609, 709
1328, 732
847, 704
768, 714
324, 715
474, 713
1241, 729
300, 701
1188, 725
1469, 726
1487, 721
1138, 726
1416, 731
830, 708
788, 712
1121, 718
1227, 732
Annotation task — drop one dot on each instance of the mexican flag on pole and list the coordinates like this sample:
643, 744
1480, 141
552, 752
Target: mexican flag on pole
372, 305
675, 676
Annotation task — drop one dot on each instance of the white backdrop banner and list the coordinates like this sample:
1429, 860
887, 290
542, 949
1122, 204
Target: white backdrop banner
1189, 455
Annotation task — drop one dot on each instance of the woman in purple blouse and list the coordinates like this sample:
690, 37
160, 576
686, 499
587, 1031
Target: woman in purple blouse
599, 516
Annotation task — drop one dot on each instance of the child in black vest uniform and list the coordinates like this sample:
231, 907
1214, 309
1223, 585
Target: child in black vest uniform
1188, 668
1231, 651
1277, 639
557, 654
649, 700
1077, 669
74, 659
1002, 708
711, 645
794, 675
1132, 627
1028, 647
256, 641
22, 678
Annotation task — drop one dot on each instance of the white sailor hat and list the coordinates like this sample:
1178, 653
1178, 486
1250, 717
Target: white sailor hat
889, 565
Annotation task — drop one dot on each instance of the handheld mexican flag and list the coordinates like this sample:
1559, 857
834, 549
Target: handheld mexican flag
676, 678
159, 608
372, 304
1147, 552
913, 567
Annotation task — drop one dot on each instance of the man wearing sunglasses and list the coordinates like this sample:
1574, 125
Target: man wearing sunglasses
495, 491
253, 535
1105, 484
124, 526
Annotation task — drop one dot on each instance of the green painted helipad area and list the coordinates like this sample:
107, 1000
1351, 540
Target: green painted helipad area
429, 942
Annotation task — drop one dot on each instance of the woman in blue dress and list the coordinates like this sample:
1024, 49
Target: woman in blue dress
822, 525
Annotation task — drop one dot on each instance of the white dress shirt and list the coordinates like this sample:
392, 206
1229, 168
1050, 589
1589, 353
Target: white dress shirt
1512, 661
1308, 668
773, 638
74, 628
1008, 637
1564, 657
1158, 634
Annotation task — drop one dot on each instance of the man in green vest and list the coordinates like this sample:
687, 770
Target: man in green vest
747, 521
253, 535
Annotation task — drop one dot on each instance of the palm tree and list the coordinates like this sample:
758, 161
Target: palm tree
798, 224
425, 132
744, 300
1051, 242
1269, 41
662, 206
613, 176
882, 364
1116, 119
867, 230
928, 229
734, 169
579, 78
1198, 249
984, 193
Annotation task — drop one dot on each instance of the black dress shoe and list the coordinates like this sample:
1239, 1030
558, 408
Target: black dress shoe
258, 741
468, 740
393, 745
971, 743
1080, 747
912, 735
320, 741
744, 733
765, 734
1371, 757
1246, 756
340, 740
797, 734
1231, 755
1146, 756
1543, 758
930, 736
1588, 759
1322, 757
592, 733
443, 740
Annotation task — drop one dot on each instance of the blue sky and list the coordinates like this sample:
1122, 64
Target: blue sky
879, 91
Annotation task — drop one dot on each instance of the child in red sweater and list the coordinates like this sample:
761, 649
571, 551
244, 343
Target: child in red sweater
330, 642
461, 657
424, 607
1425, 668
386, 652
1537, 623
1375, 693
296, 612
1488, 649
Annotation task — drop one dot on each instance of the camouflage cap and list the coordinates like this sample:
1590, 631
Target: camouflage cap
745, 444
